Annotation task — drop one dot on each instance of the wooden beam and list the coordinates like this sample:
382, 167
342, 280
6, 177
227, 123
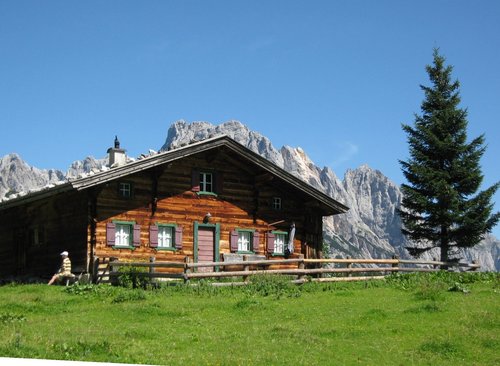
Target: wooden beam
237, 163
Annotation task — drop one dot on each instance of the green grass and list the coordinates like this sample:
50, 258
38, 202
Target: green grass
438, 319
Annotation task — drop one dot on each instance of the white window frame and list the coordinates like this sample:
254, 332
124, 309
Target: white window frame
163, 237
280, 242
206, 182
123, 239
245, 240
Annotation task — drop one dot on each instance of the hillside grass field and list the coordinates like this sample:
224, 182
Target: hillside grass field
425, 319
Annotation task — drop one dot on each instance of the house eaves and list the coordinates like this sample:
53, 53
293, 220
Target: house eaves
332, 206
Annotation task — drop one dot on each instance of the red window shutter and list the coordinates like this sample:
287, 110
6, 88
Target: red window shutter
178, 237
153, 236
234, 241
255, 244
137, 236
219, 182
195, 180
110, 234
270, 242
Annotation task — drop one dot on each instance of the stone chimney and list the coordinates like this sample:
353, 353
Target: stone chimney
117, 156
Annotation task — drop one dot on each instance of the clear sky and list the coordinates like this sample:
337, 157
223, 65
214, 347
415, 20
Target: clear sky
336, 78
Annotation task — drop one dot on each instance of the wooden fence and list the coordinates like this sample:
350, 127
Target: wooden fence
303, 270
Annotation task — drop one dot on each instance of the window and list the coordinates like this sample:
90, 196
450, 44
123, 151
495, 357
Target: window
36, 236
122, 235
244, 241
276, 204
279, 243
125, 189
165, 237
206, 182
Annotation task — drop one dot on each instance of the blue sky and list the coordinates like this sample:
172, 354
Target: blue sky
334, 77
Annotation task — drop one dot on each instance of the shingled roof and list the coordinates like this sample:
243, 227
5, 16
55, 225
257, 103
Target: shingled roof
329, 204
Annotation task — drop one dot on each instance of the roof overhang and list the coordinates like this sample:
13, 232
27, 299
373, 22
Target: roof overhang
330, 206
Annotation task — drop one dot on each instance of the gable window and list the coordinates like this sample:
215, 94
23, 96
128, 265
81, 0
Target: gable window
206, 182
244, 241
276, 204
125, 189
123, 234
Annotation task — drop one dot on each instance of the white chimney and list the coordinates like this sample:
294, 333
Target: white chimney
117, 156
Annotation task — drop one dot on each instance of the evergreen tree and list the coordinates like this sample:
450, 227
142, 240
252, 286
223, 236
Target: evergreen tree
441, 206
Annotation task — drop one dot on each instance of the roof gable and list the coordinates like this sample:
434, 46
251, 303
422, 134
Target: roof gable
330, 205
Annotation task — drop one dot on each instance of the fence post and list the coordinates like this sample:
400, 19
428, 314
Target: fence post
95, 269
435, 266
113, 276
349, 265
301, 266
246, 268
187, 270
474, 262
395, 265
152, 269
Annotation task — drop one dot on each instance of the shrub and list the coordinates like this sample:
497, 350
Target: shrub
133, 277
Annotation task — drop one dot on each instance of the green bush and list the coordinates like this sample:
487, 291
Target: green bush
134, 277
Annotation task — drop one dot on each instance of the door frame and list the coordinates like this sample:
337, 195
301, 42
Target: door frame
216, 227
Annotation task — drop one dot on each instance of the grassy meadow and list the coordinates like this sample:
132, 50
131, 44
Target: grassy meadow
426, 319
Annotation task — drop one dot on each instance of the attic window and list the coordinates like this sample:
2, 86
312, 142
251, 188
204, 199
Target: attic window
206, 182
276, 203
124, 190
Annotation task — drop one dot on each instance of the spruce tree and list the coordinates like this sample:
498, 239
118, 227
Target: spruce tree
441, 204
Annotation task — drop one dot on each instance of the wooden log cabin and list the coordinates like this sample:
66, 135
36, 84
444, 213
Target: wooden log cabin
198, 201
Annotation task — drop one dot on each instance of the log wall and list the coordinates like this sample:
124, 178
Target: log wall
164, 195
33, 235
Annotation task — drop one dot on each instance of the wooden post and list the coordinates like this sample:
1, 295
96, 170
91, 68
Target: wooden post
395, 265
474, 262
95, 269
187, 270
152, 270
435, 266
246, 268
349, 265
113, 278
301, 266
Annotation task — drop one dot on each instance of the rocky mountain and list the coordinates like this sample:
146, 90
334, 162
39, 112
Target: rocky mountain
370, 229
16, 176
